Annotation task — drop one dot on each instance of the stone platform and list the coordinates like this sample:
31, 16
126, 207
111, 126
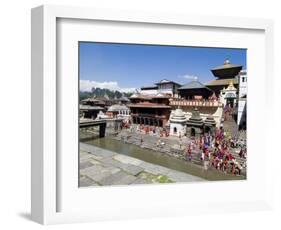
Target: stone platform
100, 167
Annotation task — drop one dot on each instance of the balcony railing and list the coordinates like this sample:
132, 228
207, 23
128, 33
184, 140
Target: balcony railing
147, 115
197, 103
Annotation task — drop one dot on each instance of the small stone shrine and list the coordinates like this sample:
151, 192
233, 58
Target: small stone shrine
177, 123
194, 124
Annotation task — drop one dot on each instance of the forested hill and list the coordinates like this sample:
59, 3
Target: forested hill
98, 92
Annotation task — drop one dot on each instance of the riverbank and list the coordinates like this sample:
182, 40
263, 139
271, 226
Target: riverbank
158, 158
175, 147
100, 167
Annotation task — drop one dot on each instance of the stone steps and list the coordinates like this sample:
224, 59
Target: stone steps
149, 142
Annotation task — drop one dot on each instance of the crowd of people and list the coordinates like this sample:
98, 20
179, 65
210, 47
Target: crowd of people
151, 130
216, 151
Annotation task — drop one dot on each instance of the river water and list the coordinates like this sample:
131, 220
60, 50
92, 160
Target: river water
158, 158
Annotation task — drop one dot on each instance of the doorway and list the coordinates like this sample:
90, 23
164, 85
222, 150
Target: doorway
192, 132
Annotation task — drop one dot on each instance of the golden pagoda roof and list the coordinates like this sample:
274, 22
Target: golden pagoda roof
226, 65
222, 82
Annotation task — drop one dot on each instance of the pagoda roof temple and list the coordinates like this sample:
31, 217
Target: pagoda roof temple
225, 74
227, 70
195, 88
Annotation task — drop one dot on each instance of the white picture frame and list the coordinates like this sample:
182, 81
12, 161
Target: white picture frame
57, 200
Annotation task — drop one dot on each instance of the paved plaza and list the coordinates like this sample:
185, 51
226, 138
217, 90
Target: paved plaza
99, 167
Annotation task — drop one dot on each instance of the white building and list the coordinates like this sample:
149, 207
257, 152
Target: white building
119, 111
165, 87
228, 96
149, 90
242, 100
168, 87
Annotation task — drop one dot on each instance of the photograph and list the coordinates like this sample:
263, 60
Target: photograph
153, 114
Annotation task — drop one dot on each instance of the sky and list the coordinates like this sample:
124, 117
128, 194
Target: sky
126, 67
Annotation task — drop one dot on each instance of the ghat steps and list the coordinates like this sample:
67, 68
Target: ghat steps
170, 147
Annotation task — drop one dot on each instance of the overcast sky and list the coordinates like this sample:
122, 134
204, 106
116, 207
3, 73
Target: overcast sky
125, 67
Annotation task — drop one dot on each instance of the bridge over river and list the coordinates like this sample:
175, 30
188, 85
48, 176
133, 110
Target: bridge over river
86, 123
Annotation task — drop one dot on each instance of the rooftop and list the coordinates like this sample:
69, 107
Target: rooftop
117, 107
227, 70
165, 81
92, 99
194, 85
123, 98
226, 65
90, 107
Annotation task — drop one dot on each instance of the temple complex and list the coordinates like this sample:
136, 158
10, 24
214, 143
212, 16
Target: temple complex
192, 108
192, 127
231, 87
150, 109
228, 90
151, 106
224, 74
142, 132
195, 94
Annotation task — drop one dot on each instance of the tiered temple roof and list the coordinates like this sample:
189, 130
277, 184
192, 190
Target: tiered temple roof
178, 117
195, 119
225, 74
227, 70
210, 122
